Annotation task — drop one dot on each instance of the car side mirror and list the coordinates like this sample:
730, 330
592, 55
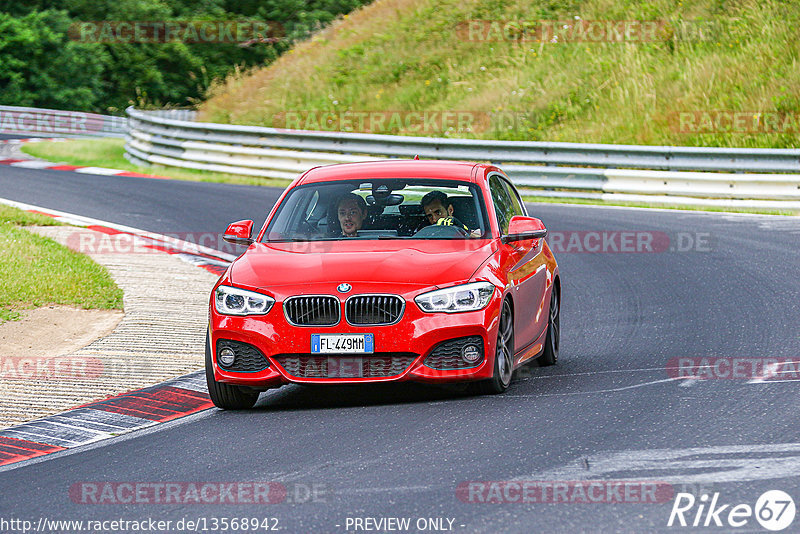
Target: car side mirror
523, 228
239, 233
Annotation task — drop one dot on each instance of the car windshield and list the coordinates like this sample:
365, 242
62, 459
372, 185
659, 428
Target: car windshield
406, 208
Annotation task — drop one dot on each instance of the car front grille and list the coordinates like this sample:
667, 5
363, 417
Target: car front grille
374, 309
312, 310
380, 364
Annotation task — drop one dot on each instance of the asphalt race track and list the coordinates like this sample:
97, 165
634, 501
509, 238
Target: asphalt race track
724, 286
7, 136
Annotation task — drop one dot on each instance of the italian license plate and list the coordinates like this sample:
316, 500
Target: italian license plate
342, 344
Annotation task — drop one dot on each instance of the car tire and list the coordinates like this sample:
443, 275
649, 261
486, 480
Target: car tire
226, 396
552, 340
504, 356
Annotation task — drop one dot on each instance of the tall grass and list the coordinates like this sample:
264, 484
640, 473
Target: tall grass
408, 55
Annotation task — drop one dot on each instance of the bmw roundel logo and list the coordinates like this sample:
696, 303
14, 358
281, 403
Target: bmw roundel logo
344, 288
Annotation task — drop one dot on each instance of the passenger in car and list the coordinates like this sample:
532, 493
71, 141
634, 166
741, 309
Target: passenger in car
351, 210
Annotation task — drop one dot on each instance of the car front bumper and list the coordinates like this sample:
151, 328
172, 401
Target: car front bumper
415, 336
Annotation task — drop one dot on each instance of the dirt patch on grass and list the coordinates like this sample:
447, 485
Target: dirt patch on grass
55, 330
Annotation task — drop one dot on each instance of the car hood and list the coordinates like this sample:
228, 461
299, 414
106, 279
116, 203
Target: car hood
422, 262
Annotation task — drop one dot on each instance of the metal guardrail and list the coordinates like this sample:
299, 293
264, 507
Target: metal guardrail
558, 169
56, 123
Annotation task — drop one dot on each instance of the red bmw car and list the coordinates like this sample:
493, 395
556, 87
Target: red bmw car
430, 271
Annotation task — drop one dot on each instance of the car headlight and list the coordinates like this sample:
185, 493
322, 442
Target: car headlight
234, 301
467, 297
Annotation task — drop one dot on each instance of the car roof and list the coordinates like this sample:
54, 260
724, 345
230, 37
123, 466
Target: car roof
394, 168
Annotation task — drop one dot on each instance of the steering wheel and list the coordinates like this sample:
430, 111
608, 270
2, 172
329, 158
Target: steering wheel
436, 230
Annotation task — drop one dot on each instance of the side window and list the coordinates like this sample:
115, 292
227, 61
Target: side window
516, 205
503, 205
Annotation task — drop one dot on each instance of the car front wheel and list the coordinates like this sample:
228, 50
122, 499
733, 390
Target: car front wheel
504, 355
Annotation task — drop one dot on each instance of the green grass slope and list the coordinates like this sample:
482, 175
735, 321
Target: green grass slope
35, 271
415, 55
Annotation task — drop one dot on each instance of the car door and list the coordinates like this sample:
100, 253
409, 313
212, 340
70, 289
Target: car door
525, 265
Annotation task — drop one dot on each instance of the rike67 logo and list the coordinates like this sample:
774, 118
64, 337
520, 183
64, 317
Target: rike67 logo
774, 510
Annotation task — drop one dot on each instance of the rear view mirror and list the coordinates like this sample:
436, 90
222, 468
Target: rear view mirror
523, 228
239, 233
392, 199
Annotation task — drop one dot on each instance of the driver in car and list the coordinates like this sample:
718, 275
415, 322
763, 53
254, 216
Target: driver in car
351, 209
438, 210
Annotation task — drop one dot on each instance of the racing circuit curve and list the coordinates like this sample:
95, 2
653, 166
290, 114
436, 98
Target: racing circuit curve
724, 286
